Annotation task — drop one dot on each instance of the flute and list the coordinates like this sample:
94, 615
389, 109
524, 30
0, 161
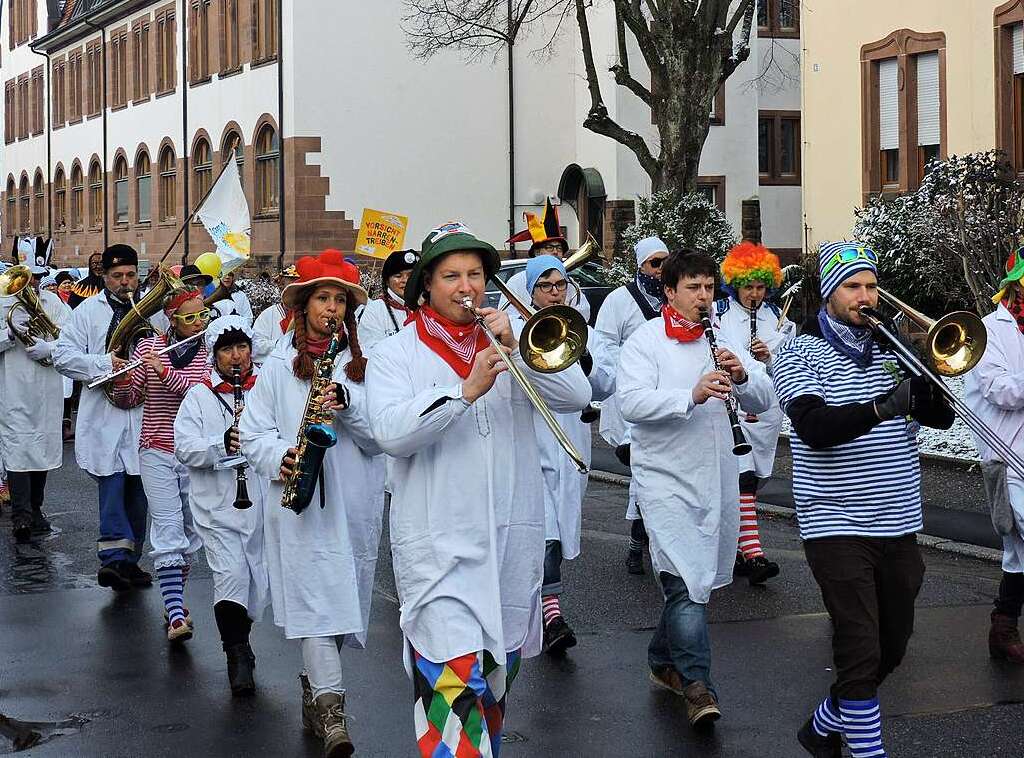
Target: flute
242, 500
740, 446
135, 364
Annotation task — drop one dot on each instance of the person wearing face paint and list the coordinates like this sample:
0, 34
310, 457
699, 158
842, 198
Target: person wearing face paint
467, 506
564, 485
624, 311
205, 435
750, 275
387, 314
321, 562
160, 383
671, 389
857, 487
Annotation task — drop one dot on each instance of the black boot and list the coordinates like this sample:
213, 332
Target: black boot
635, 562
761, 570
241, 663
818, 746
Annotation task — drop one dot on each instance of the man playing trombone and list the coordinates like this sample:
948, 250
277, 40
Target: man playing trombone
857, 486
467, 513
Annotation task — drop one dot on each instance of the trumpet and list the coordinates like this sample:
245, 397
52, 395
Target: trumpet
740, 446
16, 282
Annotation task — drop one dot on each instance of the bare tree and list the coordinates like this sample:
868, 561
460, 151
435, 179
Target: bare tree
690, 47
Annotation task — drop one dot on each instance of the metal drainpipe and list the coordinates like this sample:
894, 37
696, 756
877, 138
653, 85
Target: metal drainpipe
184, 125
511, 139
281, 194
49, 134
103, 109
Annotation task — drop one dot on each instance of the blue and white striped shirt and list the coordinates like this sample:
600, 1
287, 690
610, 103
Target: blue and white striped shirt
870, 487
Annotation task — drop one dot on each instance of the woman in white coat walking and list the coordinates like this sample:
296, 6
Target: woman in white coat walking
322, 561
205, 435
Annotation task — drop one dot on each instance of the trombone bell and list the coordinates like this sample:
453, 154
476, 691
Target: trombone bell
956, 343
553, 339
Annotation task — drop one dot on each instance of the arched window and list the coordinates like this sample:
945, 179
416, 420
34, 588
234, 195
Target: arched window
168, 184
143, 188
234, 139
268, 153
12, 206
60, 200
95, 195
77, 196
37, 190
120, 190
26, 208
202, 163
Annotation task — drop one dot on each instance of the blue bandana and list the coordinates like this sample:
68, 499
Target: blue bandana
852, 341
651, 286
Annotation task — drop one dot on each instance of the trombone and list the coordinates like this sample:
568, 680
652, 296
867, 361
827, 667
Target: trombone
954, 345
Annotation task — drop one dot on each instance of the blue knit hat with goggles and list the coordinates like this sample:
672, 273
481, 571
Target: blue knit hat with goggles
838, 261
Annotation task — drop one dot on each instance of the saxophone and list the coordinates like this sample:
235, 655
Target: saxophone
316, 433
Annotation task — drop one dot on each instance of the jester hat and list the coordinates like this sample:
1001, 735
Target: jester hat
544, 229
1014, 273
748, 262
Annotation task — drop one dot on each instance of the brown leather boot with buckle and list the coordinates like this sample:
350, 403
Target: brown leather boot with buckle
330, 715
1004, 643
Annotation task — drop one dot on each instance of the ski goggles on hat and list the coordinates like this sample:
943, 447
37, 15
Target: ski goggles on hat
849, 255
190, 318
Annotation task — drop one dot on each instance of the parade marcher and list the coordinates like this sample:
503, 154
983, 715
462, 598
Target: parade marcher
467, 518
623, 312
31, 406
749, 321
160, 383
65, 281
107, 437
545, 237
321, 562
564, 485
386, 315
236, 302
91, 285
670, 389
272, 323
205, 434
995, 392
857, 487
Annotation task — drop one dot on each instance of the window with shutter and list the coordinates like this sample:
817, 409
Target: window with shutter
889, 121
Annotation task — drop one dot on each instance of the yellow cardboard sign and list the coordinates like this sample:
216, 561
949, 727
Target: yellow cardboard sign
381, 233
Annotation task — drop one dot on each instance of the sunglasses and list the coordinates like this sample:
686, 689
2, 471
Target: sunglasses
190, 318
656, 263
549, 287
849, 256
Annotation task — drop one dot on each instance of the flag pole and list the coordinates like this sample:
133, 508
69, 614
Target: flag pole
199, 205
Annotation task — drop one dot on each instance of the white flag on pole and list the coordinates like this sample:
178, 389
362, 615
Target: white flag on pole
225, 214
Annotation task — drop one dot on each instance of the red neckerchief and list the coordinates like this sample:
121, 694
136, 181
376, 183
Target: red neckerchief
317, 347
287, 320
1016, 308
457, 344
679, 328
399, 306
227, 388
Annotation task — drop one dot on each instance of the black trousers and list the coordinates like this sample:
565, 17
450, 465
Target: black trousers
27, 488
869, 585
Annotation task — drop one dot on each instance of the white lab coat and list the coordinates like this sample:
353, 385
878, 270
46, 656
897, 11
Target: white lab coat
31, 397
467, 518
106, 438
266, 332
517, 283
321, 562
763, 434
232, 538
686, 475
375, 323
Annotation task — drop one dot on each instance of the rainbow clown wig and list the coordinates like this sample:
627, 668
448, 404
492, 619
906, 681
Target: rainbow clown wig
747, 263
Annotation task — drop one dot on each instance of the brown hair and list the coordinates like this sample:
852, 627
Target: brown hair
303, 364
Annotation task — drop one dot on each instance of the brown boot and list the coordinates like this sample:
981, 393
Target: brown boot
309, 720
701, 707
1004, 643
330, 715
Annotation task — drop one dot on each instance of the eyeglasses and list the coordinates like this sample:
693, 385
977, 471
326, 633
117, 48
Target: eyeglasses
656, 262
548, 287
849, 255
190, 318
550, 246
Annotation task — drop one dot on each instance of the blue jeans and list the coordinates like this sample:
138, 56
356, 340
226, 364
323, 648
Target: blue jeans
123, 509
681, 639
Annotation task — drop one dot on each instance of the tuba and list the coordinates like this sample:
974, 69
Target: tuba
16, 282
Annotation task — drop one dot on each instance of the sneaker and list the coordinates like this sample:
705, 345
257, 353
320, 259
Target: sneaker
818, 746
635, 562
701, 707
179, 631
22, 534
113, 575
558, 637
761, 570
742, 568
137, 576
668, 679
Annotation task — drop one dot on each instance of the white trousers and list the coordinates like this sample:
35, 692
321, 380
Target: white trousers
172, 534
321, 657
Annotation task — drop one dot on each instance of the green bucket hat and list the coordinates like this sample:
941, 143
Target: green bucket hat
448, 238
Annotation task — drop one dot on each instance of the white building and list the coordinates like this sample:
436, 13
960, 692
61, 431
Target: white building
104, 144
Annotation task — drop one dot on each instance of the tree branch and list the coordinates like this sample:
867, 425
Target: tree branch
623, 77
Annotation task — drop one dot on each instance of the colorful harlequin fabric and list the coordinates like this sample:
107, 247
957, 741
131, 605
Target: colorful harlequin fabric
460, 704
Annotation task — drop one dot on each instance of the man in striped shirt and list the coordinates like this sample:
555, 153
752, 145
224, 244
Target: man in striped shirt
856, 482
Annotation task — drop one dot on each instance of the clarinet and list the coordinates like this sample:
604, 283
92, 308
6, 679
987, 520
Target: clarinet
242, 500
740, 446
755, 306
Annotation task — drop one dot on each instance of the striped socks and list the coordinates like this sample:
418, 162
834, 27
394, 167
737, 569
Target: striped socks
551, 608
172, 587
750, 537
862, 723
826, 720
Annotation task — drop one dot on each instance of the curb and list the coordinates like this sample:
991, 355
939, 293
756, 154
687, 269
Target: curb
779, 511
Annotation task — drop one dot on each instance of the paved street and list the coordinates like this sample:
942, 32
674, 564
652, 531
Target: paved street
71, 650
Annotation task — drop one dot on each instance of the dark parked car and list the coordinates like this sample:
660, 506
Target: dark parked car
590, 277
